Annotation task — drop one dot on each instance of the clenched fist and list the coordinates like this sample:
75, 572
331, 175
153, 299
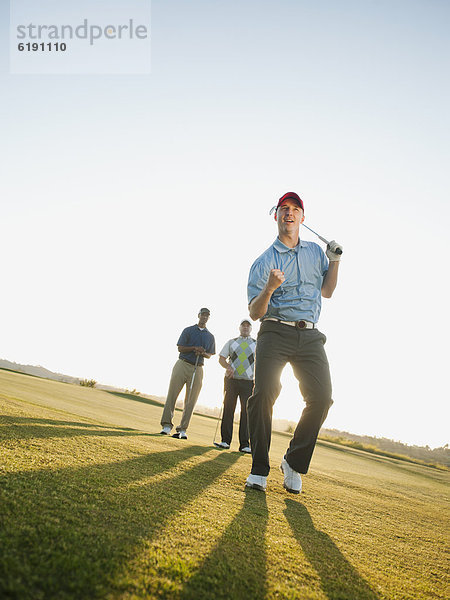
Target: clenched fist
276, 278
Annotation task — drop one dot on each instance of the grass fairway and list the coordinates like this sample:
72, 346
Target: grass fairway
94, 503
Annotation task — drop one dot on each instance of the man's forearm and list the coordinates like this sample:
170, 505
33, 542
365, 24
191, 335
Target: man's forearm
258, 306
223, 362
330, 280
186, 349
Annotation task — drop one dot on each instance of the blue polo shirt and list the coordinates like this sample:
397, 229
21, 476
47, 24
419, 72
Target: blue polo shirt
194, 336
299, 296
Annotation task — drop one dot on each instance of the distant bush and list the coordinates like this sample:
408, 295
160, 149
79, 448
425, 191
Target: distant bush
88, 383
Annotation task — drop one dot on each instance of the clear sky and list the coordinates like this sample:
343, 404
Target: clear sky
130, 201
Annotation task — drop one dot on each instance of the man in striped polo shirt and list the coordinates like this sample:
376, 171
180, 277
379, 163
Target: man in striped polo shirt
237, 357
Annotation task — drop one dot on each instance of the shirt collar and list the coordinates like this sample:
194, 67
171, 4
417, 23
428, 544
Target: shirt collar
278, 245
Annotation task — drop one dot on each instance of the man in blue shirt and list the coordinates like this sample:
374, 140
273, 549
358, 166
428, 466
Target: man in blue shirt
285, 286
194, 345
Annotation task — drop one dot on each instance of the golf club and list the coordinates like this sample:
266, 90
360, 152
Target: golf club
190, 389
217, 426
193, 377
338, 250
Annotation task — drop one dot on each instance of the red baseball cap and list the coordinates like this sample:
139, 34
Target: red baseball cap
291, 196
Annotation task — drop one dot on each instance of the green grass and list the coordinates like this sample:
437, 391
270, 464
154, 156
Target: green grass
375, 450
94, 503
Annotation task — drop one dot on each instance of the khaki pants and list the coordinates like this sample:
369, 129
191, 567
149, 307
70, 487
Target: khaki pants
182, 375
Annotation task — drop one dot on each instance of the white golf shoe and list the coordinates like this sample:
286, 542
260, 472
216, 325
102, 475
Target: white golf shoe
292, 479
257, 482
180, 435
166, 430
223, 445
246, 450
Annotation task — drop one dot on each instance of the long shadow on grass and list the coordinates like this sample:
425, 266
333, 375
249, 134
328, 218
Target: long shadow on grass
70, 533
8, 419
339, 579
137, 398
27, 428
236, 567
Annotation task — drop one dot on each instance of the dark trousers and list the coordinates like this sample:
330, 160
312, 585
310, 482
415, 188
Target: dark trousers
234, 388
277, 345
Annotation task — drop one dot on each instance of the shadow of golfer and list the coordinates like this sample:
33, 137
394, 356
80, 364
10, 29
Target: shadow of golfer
137, 398
339, 579
236, 567
30, 428
16, 420
91, 520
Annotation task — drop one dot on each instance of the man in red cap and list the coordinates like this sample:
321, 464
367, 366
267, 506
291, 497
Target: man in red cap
285, 286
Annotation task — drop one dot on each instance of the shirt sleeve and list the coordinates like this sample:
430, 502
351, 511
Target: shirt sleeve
183, 340
257, 279
225, 352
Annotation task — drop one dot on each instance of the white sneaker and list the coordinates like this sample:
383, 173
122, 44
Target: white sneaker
247, 450
223, 445
182, 435
292, 479
166, 430
257, 482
